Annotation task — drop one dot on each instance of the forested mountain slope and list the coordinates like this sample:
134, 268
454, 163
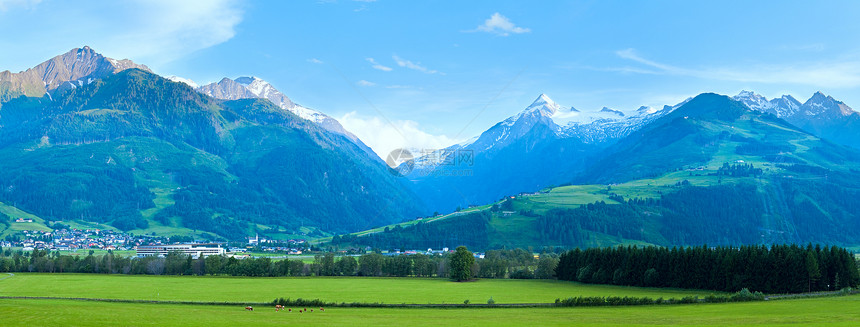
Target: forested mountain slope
134, 149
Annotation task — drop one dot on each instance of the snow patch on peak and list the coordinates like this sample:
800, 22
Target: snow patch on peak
178, 79
747, 94
308, 113
246, 80
613, 111
646, 110
756, 102
257, 86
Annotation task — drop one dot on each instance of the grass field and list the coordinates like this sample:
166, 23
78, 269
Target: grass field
832, 311
838, 311
329, 289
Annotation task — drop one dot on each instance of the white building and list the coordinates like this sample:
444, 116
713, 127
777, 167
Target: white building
194, 250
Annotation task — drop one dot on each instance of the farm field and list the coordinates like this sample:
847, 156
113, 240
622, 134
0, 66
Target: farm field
837, 311
329, 289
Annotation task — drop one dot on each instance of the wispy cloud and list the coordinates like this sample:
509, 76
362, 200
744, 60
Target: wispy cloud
154, 32
365, 83
315, 61
413, 65
500, 25
173, 29
377, 65
6, 5
836, 73
383, 137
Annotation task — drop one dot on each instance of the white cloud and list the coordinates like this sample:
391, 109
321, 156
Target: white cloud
315, 61
383, 137
415, 66
153, 32
6, 5
366, 83
500, 25
378, 66
835, 74
172, 29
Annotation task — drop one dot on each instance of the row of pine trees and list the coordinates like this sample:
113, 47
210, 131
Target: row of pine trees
768, 269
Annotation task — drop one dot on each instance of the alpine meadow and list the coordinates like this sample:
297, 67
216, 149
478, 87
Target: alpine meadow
377, 163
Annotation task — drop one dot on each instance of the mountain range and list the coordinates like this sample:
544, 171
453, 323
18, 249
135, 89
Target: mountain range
548, 144
97, 142
820, 115
142, 153
545, 144
712, 171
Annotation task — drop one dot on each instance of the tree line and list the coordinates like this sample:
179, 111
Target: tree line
517, 263
774, 269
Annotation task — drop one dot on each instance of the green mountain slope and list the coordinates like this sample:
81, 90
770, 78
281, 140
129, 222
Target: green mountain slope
135, 150
711, 172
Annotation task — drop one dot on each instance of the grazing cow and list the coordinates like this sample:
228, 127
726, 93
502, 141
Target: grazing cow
321, 309
279, 307
290, 310
249, 308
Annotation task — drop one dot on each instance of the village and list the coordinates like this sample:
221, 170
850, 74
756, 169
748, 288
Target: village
73, 240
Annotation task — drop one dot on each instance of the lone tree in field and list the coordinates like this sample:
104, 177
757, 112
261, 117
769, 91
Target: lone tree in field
461, 264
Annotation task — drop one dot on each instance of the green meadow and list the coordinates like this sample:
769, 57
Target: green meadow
328, 289
829, 311
836, 311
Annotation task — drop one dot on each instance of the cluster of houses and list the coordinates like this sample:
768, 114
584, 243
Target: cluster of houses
86, 239
71, 240
291, 246
430, 251
89, 239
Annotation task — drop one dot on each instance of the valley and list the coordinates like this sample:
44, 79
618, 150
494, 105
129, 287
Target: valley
376, 163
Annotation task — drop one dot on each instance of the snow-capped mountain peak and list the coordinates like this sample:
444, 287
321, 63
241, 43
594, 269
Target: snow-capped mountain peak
248, 87
819, 106
263, 89
253, 87
820, 103
781, 107
544, 105
753, 100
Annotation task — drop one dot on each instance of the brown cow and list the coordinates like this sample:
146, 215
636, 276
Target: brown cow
279, 307
249, 308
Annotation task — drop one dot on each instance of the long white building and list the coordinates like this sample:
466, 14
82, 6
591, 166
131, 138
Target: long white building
194, 250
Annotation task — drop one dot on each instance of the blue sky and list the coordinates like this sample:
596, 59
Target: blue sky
429, 73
